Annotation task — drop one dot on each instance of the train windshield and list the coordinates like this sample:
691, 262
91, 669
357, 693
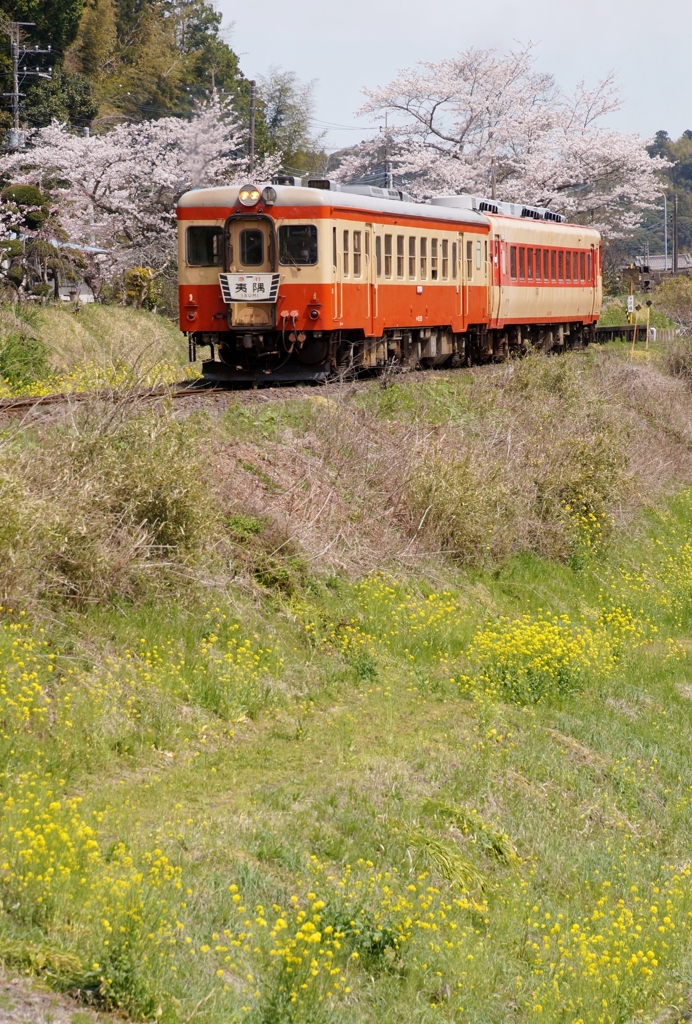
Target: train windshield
204, 246
251, 247
298, 245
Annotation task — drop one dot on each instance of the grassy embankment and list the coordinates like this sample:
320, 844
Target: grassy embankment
355, 705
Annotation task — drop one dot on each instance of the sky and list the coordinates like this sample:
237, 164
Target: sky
352, 44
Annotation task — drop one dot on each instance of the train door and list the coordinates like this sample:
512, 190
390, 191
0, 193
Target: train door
496, 279
251, 250
337, 278
371, 280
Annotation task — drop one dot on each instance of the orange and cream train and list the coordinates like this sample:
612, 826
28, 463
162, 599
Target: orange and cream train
290, 282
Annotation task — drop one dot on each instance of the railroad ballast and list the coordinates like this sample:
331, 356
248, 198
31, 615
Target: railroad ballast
289, 282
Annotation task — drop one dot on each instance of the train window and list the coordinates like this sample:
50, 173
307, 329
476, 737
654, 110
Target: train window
412, 257
546, 268
486, 258
478, 255
581, 266
345, 253
387, 255
423, 258
400, 256
298, 245
334, 257
367, 248
521, 263
513, 262
251, 247
529, 264
568, 266
204, 246
433, 259
538, 264
560, 265
378, 254
469, 260
454, 260
357, 235
445, 259
588, 266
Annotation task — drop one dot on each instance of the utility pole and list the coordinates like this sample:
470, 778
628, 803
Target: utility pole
675, 233
19, 53
253, 94
388, 175
493, 182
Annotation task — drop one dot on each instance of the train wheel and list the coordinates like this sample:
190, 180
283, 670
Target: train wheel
312, 352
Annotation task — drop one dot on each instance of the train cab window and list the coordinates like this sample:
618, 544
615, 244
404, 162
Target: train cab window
522, 270
412, 258
513, 262
298, 245
345, 251
588, 266
423, 259
581, 266
454, 260
357, 255
400, 256
568, 266
387, 255
469, 260
478, 255
445, 259
529, 264
433, 259
546, 267
204, 246
251, 247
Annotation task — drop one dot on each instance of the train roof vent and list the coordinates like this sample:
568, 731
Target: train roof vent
324, 183
487, 207
557, 217
377, 193
286, 179
530, 211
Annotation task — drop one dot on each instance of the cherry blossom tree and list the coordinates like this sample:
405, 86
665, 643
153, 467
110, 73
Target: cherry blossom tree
482, 120
117, 191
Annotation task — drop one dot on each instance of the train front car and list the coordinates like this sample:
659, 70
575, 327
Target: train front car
290, 283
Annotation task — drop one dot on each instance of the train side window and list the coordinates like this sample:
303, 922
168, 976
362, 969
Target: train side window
345, 252
560, 265
546, 265
378, 254
469, 260
521, 263
433, 259
486, 258
298, 245
400, 256
204, 246
445, 259
513, 262
387, 255
581, 266
357, 258
412, 257
529, 264
538, 264
478, 255
367, 248
568, 266
334, 248
423, 259
588, 266
454, 260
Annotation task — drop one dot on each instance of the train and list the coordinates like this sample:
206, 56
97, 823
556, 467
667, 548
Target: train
292, 281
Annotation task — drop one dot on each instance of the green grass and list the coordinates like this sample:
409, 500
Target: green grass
414, 789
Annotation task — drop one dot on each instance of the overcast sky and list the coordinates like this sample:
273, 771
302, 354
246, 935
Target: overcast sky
354, 43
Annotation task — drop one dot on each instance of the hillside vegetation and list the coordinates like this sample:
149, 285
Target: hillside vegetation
366, 703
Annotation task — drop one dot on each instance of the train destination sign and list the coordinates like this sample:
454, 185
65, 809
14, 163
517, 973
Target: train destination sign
249, 287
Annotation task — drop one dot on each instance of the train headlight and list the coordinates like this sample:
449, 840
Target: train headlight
249, 195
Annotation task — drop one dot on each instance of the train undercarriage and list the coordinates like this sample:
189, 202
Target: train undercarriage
275, 356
